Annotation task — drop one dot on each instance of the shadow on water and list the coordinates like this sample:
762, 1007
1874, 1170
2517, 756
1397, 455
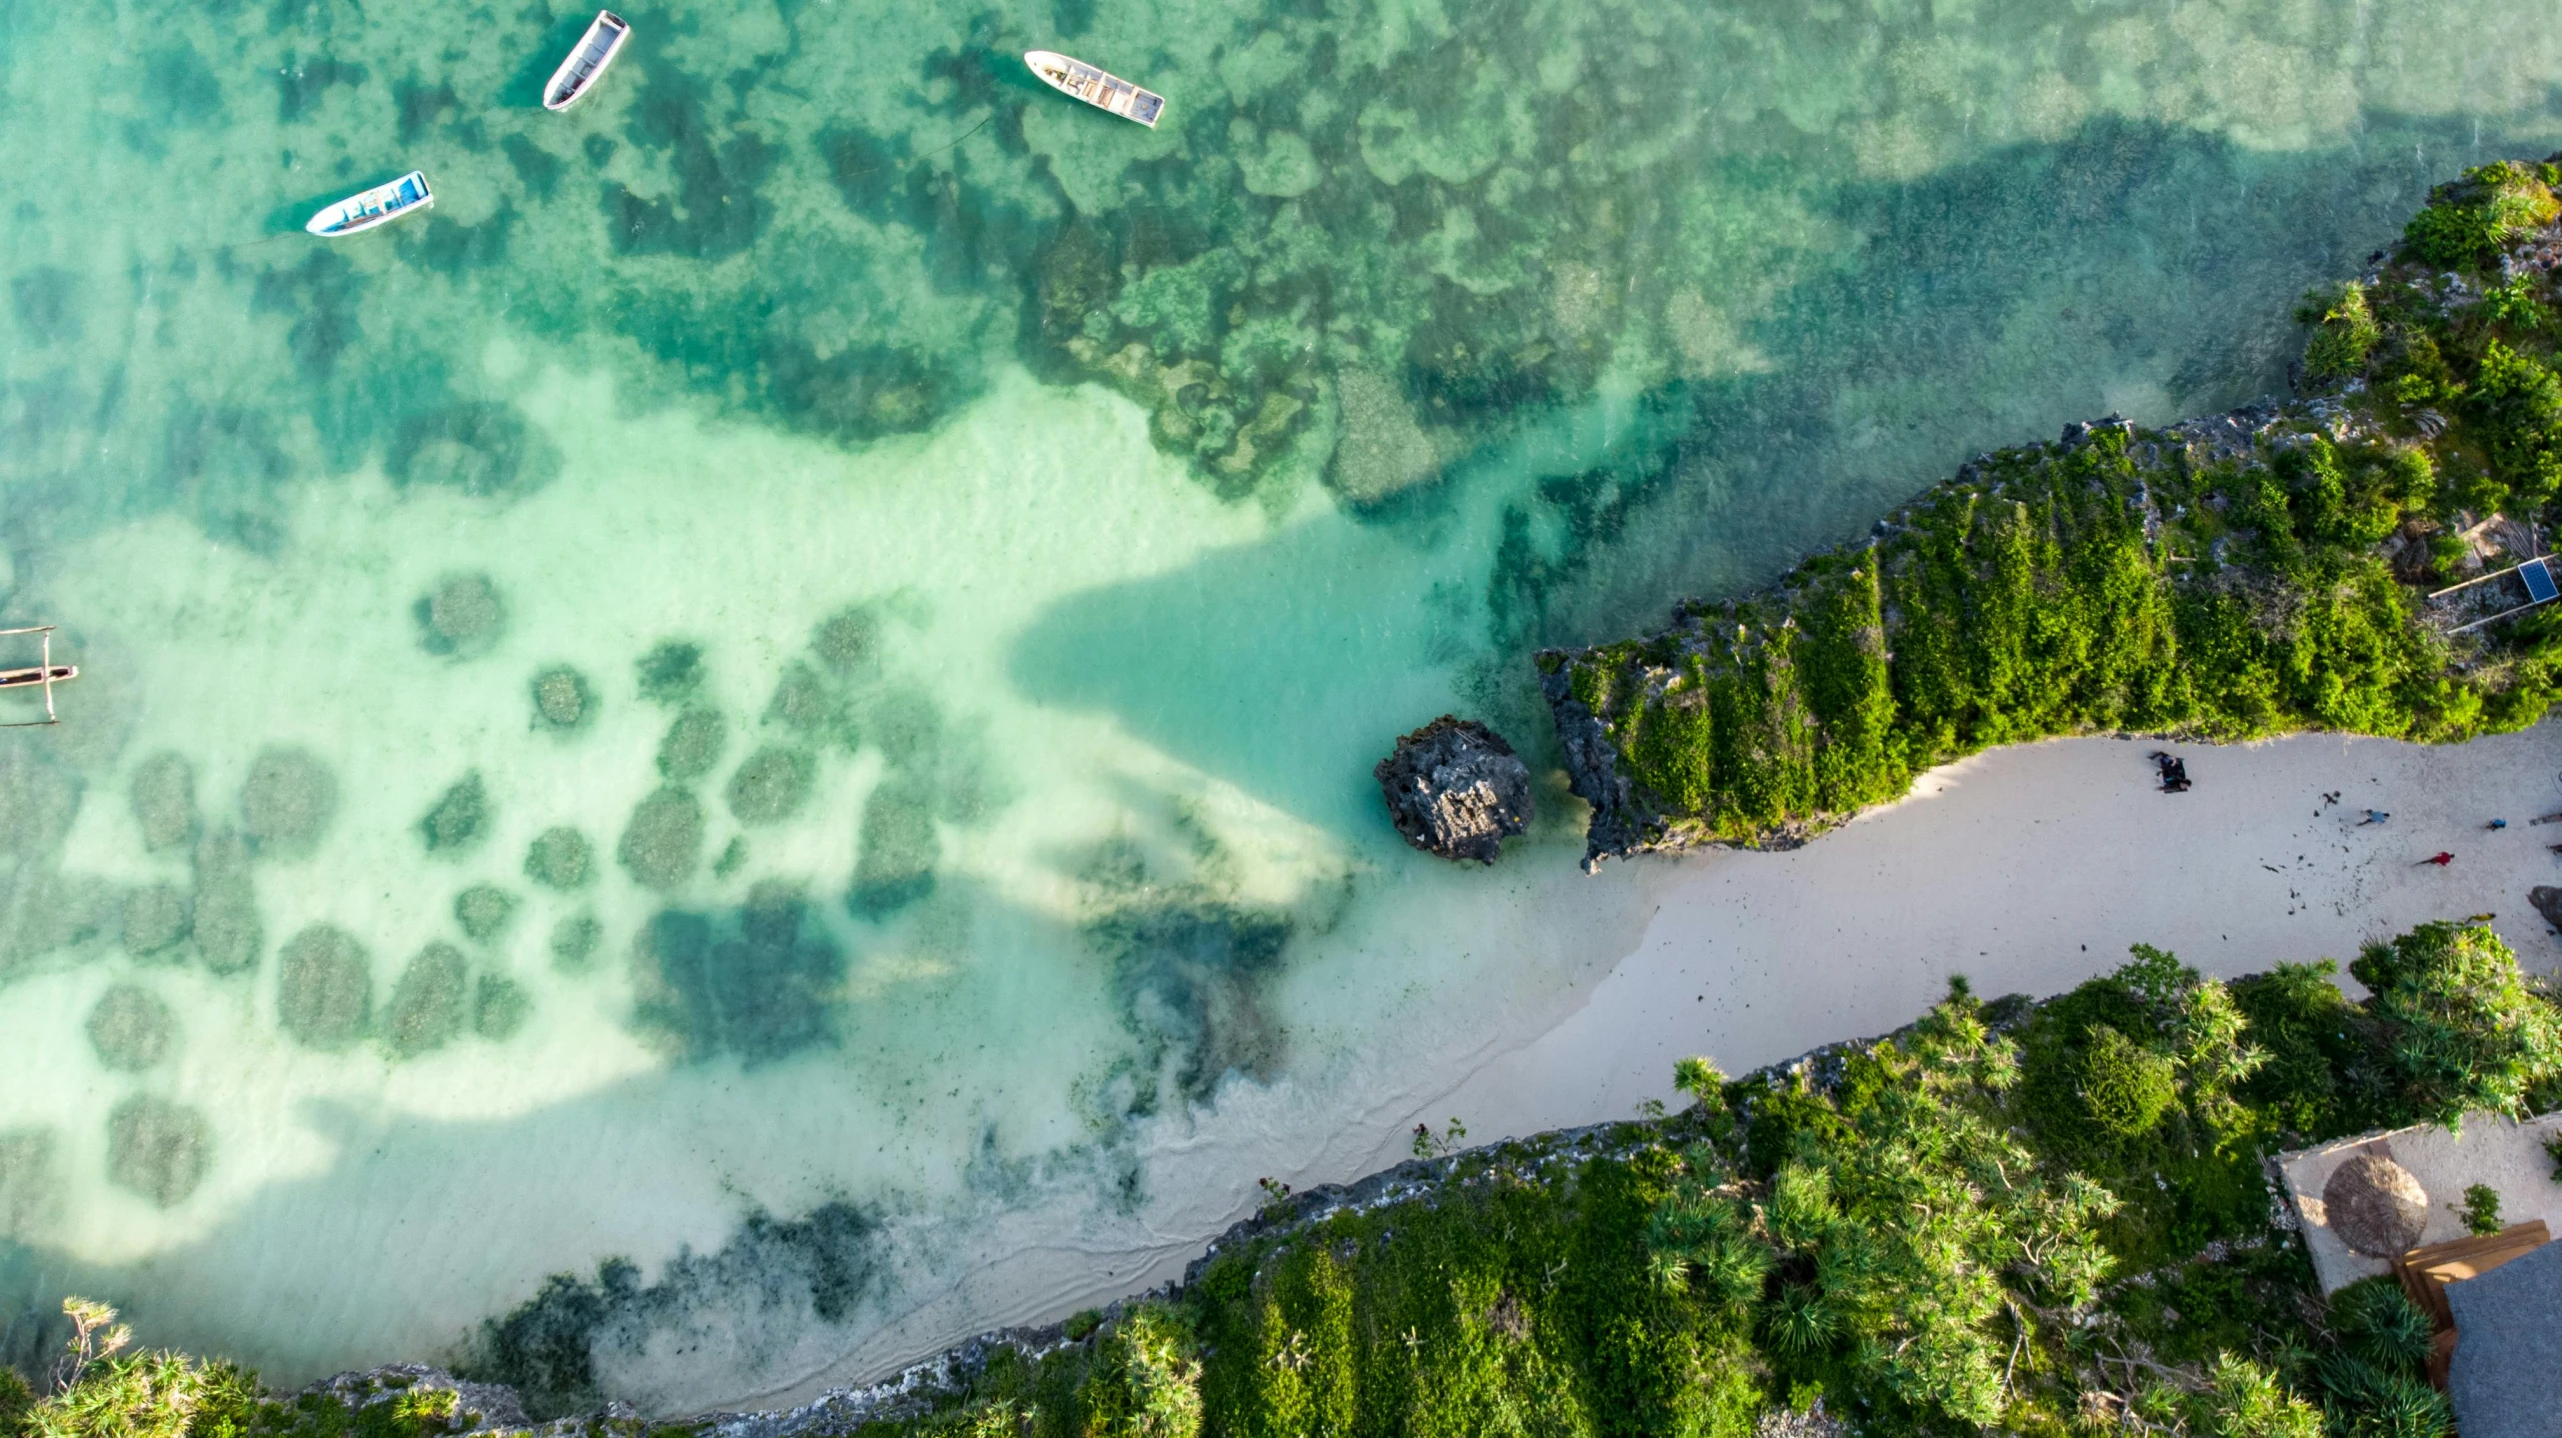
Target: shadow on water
2130, 266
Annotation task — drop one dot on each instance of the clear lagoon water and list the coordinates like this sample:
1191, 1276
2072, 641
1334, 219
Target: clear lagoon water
771, 707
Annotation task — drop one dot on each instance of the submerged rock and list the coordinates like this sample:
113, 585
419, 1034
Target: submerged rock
848, 640
484, 911
462, 616
130, 1029
671, 671
499, 1007
157, 918
158, 1149
664, 840
460, 818
228, 931
563, 699
287, 803
772, 784
574, 940
900, 847
1456, 789
325, 991
804, 704
559, 858
164, 801
693, 745
426, 1008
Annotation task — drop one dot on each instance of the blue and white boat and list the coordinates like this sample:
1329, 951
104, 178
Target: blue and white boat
378, 206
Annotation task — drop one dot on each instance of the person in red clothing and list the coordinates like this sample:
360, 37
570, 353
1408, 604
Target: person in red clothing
2441, 859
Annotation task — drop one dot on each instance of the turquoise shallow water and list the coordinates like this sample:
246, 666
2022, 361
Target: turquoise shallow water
782, 688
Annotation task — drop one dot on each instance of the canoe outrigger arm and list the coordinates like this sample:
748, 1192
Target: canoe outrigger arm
45, 675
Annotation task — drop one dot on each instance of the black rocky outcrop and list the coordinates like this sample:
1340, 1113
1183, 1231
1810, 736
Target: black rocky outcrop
1456, 789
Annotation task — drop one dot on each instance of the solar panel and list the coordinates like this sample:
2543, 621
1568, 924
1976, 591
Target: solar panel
2539, 581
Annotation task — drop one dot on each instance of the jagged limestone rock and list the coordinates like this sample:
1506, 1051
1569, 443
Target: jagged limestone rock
1456, 789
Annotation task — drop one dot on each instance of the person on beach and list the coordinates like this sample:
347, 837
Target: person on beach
2373, 816
2440, 858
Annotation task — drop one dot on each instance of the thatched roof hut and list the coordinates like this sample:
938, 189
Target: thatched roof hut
2375, 1206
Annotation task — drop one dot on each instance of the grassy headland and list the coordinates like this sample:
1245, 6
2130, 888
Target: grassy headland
2233, 577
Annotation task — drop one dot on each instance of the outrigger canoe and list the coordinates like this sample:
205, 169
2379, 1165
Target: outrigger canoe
1094, 87
586, 64
44, 675
378, 206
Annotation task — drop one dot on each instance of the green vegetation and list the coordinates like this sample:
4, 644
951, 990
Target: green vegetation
1929, 1234
2042, 1218
2481, 1209
2216, 580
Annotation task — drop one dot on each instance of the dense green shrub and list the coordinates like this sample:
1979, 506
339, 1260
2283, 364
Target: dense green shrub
2345, 332
2457, 1024
2126, 1087
2468, 220
2125, 580
1147, 1384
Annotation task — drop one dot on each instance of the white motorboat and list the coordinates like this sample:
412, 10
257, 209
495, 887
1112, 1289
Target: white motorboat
1102, 91
586, 63
378, 206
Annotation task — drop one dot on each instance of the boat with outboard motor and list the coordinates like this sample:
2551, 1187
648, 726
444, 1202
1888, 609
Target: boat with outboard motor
1095, 87
380, 205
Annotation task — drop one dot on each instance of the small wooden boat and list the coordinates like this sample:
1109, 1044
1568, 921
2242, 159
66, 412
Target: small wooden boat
44, 675
587, 61
1094, 87
378, 206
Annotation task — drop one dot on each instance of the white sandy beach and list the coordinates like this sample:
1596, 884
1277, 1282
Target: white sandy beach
2026, 870
2029, 870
